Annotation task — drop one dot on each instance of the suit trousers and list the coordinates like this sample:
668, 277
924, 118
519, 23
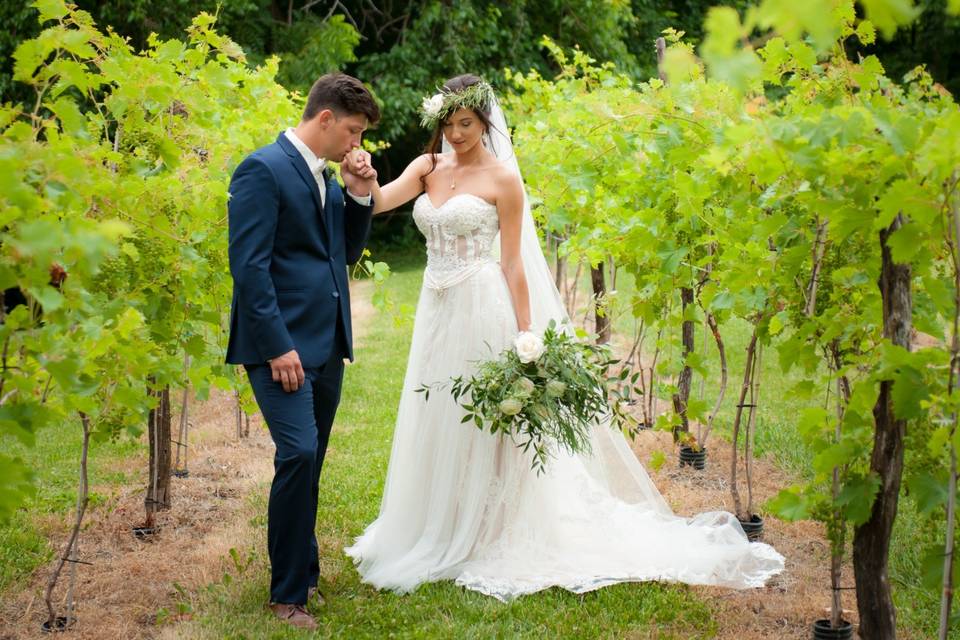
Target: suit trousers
299, 423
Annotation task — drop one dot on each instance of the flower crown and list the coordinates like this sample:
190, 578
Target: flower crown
437, 107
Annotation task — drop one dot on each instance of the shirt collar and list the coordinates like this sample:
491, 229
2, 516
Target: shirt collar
315, 164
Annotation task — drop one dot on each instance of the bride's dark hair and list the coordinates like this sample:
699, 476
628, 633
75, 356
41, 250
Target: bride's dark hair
435, 146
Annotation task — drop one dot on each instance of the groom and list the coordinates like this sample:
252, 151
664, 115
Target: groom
292, 234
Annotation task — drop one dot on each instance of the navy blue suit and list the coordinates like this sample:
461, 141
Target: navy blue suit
288, 259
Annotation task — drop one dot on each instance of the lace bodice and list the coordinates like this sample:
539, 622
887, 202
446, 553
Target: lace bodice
459, 233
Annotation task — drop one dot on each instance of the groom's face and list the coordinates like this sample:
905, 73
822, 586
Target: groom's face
342, 133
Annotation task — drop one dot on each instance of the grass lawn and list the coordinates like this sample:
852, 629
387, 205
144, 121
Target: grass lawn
349, 499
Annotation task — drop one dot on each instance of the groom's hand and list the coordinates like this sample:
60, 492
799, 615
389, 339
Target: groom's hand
287, 371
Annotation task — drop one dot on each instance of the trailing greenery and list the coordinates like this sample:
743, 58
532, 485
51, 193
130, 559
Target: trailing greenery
544, 395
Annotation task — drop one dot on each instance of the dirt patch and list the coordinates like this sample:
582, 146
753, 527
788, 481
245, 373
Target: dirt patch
920, 340
791, 601
361, 308
129, 581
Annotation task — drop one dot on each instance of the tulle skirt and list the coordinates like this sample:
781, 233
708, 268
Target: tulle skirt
462, 504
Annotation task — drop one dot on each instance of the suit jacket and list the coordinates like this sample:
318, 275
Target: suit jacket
288, 258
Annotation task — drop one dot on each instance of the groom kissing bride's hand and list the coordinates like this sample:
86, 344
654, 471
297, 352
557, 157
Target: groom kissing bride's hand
358, 176
292, 231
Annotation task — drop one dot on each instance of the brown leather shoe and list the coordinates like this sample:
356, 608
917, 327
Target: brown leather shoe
294, 614
315, 597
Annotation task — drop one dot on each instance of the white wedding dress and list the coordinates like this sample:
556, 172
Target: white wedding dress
461, 504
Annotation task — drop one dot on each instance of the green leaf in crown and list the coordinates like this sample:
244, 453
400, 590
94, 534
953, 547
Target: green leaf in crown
439, 106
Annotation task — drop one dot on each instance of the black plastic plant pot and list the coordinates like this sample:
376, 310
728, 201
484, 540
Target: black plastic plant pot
823, 631
753, 527
693, 458
145, 533
59, 625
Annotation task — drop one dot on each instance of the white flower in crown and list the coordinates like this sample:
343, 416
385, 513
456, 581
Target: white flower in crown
432, 105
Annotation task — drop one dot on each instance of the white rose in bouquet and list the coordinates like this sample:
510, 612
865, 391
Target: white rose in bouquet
529, 347
551, 402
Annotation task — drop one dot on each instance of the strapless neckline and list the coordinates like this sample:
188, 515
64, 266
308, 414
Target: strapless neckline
454, 197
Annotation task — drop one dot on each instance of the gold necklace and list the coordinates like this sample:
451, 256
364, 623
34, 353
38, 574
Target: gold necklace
453, 176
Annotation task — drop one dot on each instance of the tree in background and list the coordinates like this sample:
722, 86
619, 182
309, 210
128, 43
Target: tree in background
261, 27
440, 40
932, 40
404, 49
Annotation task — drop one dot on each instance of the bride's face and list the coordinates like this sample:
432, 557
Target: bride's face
463, 130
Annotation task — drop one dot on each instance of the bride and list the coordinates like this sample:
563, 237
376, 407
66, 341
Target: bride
462, 504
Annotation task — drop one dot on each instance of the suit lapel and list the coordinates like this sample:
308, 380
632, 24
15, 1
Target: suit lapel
301, 166
328, 210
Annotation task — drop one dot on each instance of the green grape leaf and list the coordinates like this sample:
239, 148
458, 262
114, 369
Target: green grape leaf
51, 9
888, 15
928, 491
790, 504
857, 496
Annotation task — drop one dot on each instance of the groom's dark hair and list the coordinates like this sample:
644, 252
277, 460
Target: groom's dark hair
342, 94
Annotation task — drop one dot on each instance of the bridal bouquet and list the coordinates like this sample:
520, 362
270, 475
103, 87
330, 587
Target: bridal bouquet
544, 393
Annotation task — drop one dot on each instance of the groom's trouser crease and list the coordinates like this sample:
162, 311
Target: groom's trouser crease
300, 424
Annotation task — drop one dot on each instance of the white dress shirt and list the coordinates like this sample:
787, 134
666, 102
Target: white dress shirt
316, 166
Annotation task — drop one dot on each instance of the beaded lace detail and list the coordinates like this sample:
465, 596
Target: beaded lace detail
460, 235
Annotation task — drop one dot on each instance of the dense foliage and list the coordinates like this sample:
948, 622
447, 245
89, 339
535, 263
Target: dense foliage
114, 226
775, 182
404, 49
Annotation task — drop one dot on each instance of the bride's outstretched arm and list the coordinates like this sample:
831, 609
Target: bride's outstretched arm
510, 211
403, 189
